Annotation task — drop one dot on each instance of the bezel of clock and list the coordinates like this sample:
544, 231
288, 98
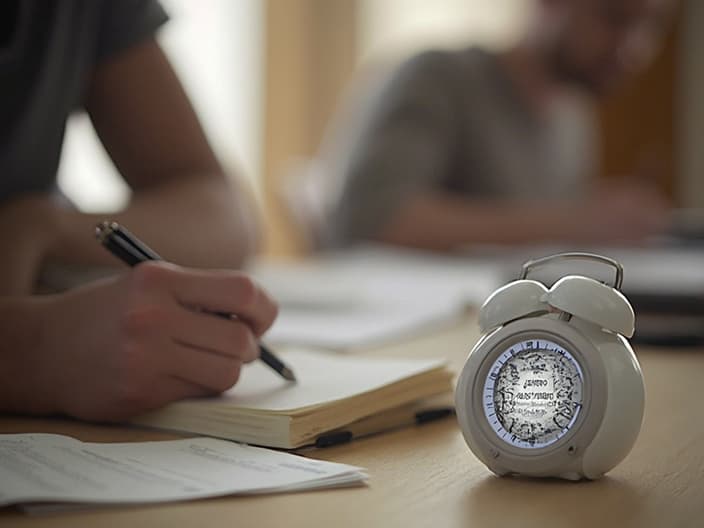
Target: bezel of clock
564, 452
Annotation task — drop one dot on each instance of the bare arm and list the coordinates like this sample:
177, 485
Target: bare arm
441, 221
182, 203
125, 345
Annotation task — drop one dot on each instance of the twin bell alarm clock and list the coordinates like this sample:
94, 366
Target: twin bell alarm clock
552, 388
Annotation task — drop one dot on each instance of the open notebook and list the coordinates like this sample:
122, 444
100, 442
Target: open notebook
331, 392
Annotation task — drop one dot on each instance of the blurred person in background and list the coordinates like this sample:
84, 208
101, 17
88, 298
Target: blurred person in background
120, 346
475, 147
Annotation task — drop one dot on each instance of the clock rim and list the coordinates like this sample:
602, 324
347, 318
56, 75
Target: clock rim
496, 452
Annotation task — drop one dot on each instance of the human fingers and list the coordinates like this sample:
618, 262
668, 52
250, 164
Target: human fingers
211, 371
175, 388
161, 323
146, 391
133, 396
226, 337
214, 290
144, 398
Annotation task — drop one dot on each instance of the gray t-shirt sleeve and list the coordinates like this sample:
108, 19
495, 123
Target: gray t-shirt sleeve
405, 143
124, 23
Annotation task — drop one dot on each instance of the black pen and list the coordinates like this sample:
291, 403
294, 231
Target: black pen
127, 247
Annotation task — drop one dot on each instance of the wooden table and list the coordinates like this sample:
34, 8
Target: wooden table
426, 476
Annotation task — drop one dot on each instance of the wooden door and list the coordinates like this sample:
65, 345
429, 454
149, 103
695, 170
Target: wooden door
638, 124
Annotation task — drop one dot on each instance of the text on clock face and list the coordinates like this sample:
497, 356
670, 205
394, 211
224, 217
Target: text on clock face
533, 393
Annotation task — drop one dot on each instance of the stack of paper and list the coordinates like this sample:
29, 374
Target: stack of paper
369, 296
45, 468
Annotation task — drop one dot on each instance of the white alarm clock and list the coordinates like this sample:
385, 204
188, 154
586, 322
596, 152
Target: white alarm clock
553, 388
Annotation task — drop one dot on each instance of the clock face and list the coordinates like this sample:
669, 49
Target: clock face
533, 393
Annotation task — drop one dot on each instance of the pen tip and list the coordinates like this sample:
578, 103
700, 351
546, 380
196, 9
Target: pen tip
287, 373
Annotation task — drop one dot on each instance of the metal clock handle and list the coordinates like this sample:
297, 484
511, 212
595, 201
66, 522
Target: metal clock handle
532, 264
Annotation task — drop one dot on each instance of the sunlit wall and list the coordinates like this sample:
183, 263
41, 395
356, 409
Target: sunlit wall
392, 28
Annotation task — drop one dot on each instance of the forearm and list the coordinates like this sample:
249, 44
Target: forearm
182, 204
198, 223
27, 228
443, 222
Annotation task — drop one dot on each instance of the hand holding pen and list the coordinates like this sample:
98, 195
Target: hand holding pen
122, 346
127, 247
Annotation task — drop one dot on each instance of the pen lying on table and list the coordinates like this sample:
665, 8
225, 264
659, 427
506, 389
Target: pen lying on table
125, 246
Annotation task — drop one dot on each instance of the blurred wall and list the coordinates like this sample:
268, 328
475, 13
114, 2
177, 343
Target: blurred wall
640, 123
315, 48
691, 106
397, 28
266, 77
310, 59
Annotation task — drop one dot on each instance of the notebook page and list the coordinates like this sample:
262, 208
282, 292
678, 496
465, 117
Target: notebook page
322, 378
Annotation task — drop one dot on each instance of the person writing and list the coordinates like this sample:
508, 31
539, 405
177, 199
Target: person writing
473, 147
126, 344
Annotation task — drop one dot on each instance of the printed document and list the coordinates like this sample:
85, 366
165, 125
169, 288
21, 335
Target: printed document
55, 468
